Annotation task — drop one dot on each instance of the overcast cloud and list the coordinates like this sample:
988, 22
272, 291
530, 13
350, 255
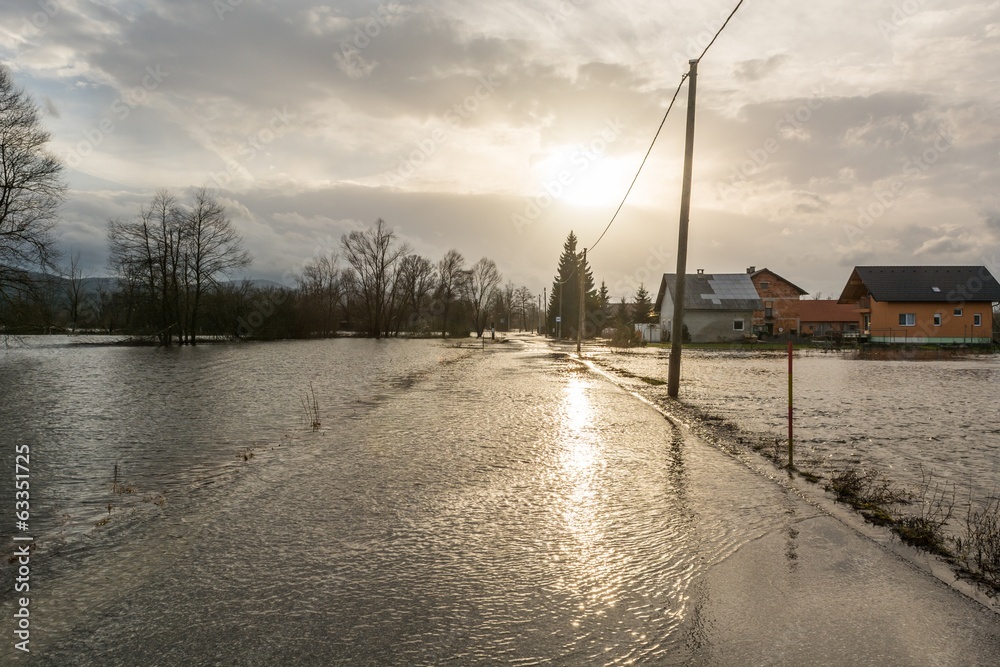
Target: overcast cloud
829, 134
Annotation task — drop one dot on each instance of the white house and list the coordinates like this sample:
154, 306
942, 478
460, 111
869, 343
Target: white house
717, 307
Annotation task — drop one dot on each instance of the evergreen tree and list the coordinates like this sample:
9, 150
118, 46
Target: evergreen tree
600, 316
643, 305
565, 298
624, 314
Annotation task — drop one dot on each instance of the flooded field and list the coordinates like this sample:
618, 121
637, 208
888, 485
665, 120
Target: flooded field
908, 418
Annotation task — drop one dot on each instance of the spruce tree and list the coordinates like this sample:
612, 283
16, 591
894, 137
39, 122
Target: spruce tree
566, 288
643, 305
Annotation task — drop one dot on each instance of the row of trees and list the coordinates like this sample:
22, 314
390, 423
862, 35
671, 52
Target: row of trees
385, 289
170, 264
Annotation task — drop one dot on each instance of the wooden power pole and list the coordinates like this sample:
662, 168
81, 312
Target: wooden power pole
579, 330
677, 328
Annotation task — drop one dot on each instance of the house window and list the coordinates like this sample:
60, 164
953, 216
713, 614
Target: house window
764, 284
737, 325
977, 320
907, 319
937, 319
958, 312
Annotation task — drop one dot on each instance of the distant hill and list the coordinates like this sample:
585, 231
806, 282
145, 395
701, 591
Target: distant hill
92, 286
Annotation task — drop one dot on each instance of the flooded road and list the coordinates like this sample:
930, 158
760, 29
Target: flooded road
498, 506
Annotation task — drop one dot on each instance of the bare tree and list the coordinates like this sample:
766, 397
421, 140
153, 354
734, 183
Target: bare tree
74, 289
524, 299
479, 289
451, 275
417, 279
507, 302
175, 255
31, 190
320, 285
211, 248
375, 257
150, 246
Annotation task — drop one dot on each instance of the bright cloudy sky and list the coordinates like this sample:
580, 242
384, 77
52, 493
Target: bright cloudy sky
829, 133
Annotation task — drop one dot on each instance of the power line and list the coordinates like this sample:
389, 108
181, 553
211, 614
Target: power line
642, 164
719, 32
667, 113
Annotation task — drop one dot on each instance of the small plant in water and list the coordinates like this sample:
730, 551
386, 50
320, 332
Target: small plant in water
117, 486
310, 405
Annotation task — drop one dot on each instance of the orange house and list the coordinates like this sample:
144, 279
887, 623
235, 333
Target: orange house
924, 304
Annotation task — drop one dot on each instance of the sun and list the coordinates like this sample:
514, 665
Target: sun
578, 177
600, 182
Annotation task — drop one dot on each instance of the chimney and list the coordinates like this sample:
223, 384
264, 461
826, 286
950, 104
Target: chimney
751, 269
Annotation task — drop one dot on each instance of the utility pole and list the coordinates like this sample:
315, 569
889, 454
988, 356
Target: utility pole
677, 330
579, 330
545, 300
559, 319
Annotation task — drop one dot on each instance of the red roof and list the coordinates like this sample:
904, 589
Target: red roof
827, 310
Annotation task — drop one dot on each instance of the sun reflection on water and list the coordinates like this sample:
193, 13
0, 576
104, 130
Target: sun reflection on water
588, 564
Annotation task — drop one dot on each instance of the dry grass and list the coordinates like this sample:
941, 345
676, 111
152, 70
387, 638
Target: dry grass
978, 549
310, 405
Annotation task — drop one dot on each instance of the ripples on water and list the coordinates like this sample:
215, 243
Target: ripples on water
457, 507
176, 419
479, 511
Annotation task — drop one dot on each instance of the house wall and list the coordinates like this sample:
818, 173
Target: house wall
885, 325
712, 326
785, 299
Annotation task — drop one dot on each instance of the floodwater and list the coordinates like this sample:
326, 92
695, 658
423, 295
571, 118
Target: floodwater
935, 421
458, 506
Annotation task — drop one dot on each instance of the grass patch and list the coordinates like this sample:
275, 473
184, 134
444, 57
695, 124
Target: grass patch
810, 477
978, 549
924, 527
870, 492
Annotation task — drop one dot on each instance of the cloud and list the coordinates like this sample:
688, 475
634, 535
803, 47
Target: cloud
945, 245
758, 68
807, 117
